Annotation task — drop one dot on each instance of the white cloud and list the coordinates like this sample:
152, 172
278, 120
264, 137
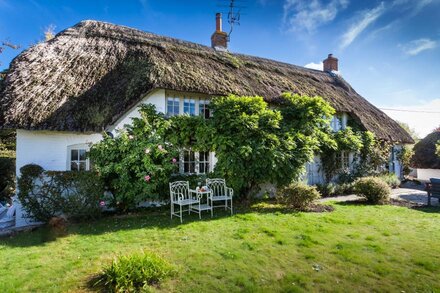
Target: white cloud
308, 15
414, 6
422, 121
317, 66
368, 17
417, 46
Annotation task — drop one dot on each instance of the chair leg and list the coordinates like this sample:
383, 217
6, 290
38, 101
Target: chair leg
200, 212
226, 205
172, 210
181, 214
231, 206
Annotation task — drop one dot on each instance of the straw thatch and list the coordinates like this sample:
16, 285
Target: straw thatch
424, 152
90, 74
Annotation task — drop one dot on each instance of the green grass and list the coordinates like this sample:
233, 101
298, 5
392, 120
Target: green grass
356, 248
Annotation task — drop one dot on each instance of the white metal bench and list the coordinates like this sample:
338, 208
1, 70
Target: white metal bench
220, 193
182, 196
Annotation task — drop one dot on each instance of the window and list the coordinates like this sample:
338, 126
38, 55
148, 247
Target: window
204, 108
189, 162
78, 160
203, 162
344, 159
189, 106
173, 105
336, 123
194, 162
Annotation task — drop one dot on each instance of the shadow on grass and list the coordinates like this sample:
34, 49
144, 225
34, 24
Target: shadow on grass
157, 218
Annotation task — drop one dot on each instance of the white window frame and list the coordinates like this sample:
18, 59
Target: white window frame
78, 147
173, 100
186, 102
196, 162
203, 107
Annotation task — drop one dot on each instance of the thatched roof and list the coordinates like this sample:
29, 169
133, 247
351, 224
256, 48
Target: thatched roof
424, 152
92, 73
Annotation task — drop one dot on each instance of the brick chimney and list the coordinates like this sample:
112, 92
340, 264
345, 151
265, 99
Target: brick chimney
219, 39
331, 63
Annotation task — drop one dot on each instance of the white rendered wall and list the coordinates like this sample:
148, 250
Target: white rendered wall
48, 148
157, 98
426, 174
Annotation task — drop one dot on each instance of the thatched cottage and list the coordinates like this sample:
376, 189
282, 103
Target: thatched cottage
62, 94
425, 160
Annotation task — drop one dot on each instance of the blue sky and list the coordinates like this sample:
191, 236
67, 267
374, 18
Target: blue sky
388, 50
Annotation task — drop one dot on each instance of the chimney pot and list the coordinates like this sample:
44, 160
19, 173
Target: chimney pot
219, 39
218, 22
331, 63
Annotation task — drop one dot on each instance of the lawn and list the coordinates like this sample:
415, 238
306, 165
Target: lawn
355, 248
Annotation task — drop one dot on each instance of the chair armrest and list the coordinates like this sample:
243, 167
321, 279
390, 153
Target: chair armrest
230, 191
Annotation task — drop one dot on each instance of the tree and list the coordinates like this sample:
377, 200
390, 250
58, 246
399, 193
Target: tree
438, 148
256, 144
411, 131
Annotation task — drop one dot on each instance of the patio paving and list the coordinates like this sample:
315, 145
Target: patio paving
408, 194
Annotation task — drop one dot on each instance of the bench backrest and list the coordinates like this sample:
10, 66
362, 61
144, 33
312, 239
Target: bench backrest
217, 186
179, 188
435, 186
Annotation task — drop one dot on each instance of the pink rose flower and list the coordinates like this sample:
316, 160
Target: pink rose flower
147, 178
174, 160
147, 151
130, 137
102, 203
160, 147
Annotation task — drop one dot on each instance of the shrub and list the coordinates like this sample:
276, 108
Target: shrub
138, 162
373, 189
297, 195
134, 273
47, 194
391, 179
7, 177
326, 189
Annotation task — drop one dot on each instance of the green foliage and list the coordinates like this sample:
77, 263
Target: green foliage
335, 189
390, 179
374, 189
255, 144
411, 131
297, 195
370, 154
134, 273
139, 161
438, 148
7, 163
45, 194
404, 156
7, 177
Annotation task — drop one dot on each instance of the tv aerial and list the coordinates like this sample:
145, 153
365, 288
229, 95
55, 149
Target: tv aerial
234, 12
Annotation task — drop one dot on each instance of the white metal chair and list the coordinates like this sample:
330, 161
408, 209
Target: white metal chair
181, 195
220, 192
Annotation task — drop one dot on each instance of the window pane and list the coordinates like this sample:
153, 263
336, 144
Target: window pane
74, 166
74, 155
82, 155
192, 167
82, 166
192, 156
189, 106
186, 156
186, 167
202, 168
